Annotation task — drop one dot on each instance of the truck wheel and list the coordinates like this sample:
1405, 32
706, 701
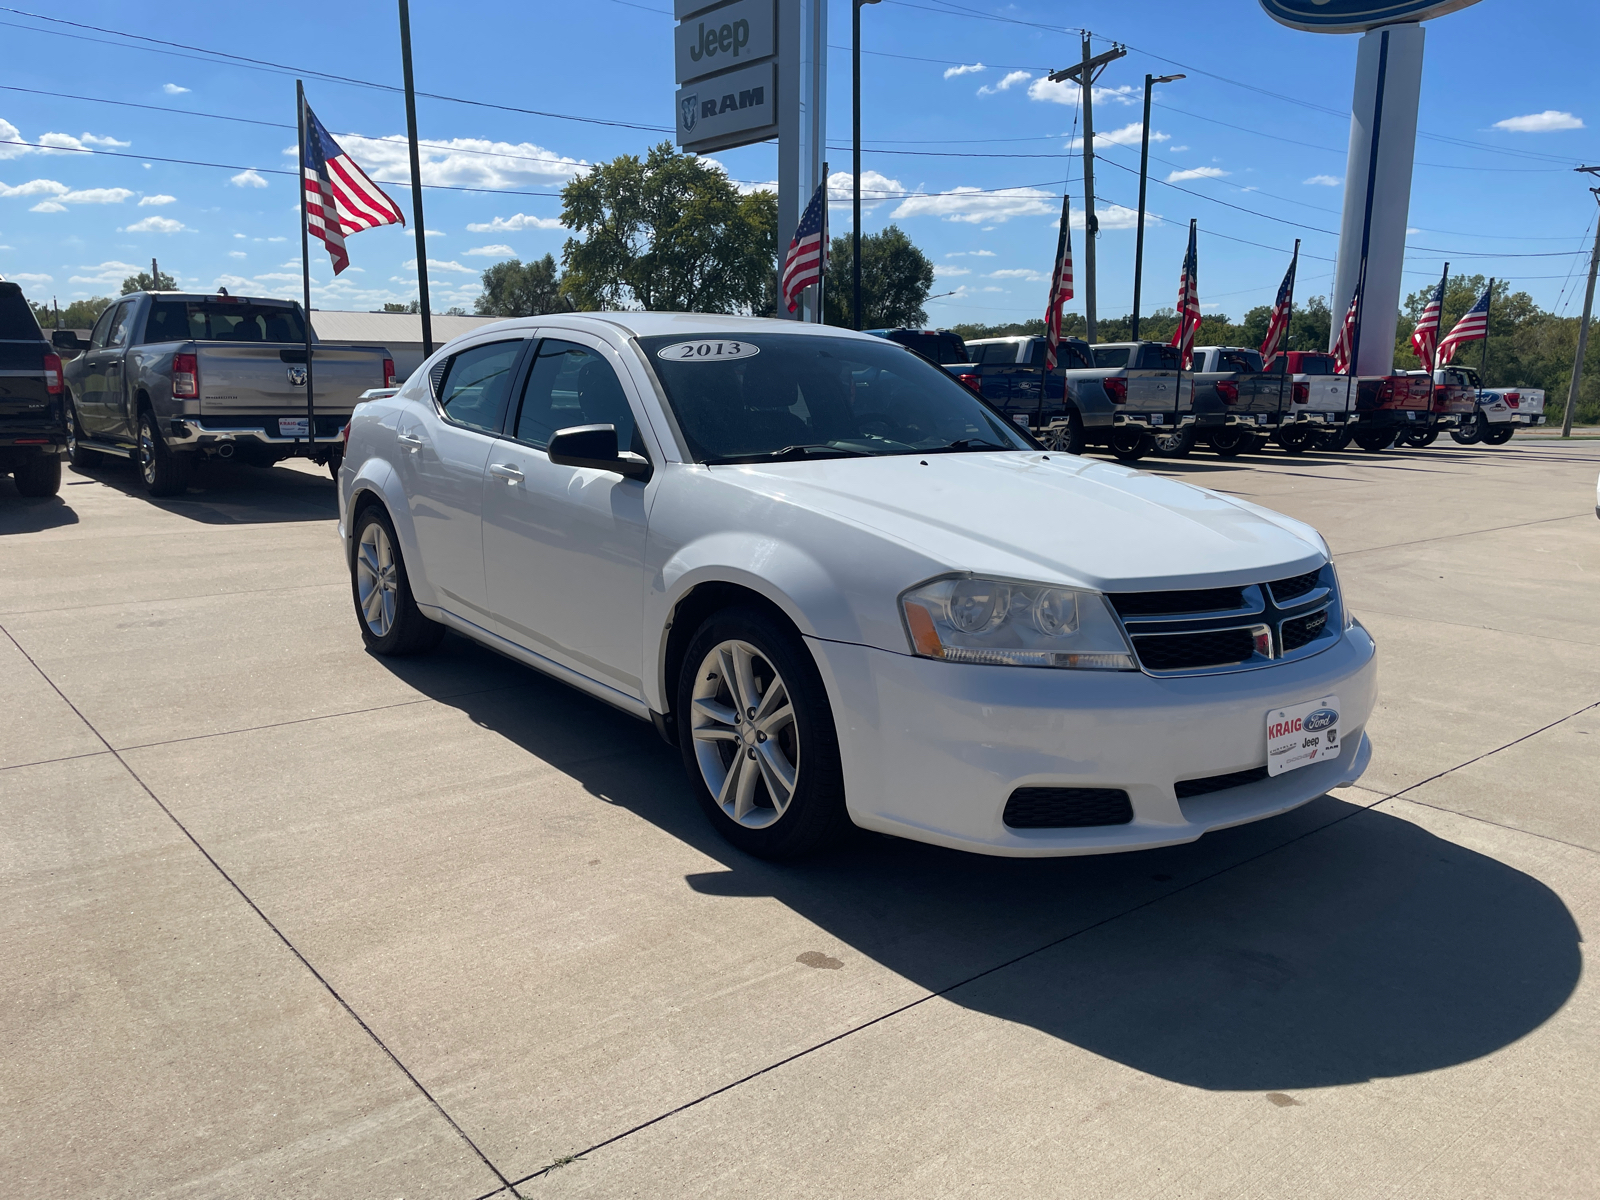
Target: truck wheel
1498, 436
1065, 438
164, 473
1374, 441
1175, 444
39, 476
1422, 439
81, 459
1295, 439
1469, 431
391, 622
335, 461
757, 737
1232, 440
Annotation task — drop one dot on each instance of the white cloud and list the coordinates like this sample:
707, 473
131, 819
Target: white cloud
1126, 94
994, 289
461, 162
1549, 121
9, 133
48, 206
281, 277
106, 273
155, 225
237, 254
964, 69
1010, 81
970, 254
61, 143
147, 201
1196, 173
974, 205
875, 189
1114, 216
23, 277
435, 233
35, 187
247, 179
1069, 93
277, 239
95, 196
1024, 273
1128, 135
514, 224
496, 251
941, 271
1176, 149
1323, 181
439, 264
173, 89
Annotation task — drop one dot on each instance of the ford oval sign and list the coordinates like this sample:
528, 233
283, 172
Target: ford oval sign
1319, 720
1356, 16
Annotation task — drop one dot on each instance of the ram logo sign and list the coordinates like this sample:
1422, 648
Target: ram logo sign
726, 110
688, 111
1355, 16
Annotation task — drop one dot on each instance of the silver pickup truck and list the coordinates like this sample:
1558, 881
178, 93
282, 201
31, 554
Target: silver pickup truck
169, 376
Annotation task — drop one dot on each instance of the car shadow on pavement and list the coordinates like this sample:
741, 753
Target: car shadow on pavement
23, 514
1329, 946
230, 493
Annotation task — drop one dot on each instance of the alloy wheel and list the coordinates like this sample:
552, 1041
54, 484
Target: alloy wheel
147, 453
376, 579
746, 742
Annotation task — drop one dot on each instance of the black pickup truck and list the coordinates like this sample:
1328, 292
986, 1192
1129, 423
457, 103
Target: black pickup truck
33, 426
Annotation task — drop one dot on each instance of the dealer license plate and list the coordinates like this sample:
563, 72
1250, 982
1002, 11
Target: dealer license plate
294, 427
1155, 418
1302, 735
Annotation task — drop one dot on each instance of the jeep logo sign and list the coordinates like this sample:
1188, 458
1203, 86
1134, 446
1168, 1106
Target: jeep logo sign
1355, 16
734, 35
728, 110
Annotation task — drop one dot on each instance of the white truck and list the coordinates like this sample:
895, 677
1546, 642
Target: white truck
1498, 413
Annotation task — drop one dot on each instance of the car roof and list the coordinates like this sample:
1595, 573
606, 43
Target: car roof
658, 324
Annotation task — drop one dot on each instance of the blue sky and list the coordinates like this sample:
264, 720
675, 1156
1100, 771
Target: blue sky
1507, 110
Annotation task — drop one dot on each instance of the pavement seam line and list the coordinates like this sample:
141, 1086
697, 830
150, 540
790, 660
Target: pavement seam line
1357, 810
1482, 628
266, 920
45, 762
1464, 533
297, 587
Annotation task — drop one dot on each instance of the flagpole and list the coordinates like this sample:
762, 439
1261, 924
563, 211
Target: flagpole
1433, 359
1288, 320
1052, 314
416, 182
822, 274
305, 265
1483, 362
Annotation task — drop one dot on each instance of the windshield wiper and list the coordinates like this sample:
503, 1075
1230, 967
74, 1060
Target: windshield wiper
965, 444
825, 447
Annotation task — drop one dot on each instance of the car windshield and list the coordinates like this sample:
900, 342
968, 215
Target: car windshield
777, 396
222, 321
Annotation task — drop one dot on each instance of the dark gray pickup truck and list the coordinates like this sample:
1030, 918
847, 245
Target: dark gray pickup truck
33, 430
168, 376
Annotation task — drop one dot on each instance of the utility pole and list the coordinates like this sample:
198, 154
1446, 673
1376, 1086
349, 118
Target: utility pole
416, 182
155, 276
1144, 176
1583, 325
1085, 73
855, 165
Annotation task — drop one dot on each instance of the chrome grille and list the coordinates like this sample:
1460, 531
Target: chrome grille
1201, 630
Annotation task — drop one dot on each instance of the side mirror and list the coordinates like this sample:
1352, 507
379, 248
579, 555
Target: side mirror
595, 446
67, 339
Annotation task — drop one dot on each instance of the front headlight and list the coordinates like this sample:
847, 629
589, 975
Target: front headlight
999, 622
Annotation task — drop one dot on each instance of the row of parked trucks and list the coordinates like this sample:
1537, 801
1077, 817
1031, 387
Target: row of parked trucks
1137, 398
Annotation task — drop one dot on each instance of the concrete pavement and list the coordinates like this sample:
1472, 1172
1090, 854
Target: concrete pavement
280, 918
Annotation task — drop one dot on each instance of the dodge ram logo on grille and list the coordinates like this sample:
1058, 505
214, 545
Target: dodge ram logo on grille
297, 376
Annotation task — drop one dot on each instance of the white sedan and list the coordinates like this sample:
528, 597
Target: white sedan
849, 591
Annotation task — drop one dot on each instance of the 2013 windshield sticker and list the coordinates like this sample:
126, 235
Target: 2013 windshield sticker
707, 351
1302, 735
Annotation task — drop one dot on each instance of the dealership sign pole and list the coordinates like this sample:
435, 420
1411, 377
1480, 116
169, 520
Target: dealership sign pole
751, 70
1383, 138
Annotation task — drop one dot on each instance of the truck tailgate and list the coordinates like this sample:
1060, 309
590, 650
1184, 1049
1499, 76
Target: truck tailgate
237, 380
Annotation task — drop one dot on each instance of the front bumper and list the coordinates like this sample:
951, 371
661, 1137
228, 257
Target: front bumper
933, 750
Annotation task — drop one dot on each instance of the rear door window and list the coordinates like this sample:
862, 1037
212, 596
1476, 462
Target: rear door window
476, 383
16, 318
951, 349
1159, 358
572, 385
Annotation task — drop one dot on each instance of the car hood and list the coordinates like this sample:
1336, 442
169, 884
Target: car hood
1050, 517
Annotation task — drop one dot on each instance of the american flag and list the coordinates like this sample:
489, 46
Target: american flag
1425, 337
808, 250
1345, 344
1474, 324
1188, 303
340, 199
1282, 310
1060, 290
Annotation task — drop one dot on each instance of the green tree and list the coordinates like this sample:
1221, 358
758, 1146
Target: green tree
516, 289
142, 282
393, 306
670, 233
80, 314
896, 278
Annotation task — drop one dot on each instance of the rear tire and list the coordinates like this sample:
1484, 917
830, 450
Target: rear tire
40, 476
1469, 432
1065, 438
1499, 435
1295, 439
1130, 443
1176, 444
164, 473
1376, 440
778, 775
391, 622
1232, 440
1421, 440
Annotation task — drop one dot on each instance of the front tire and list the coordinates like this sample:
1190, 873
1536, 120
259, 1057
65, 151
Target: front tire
758, 739
391, 622
1469, 432
1176, 444
164, 473
81, 459
1232, 440
1296, 438
40, 476
1499, 435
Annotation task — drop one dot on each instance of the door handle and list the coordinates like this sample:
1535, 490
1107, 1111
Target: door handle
410, 440
507, 472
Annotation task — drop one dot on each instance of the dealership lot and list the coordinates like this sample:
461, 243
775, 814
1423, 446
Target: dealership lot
282, 918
